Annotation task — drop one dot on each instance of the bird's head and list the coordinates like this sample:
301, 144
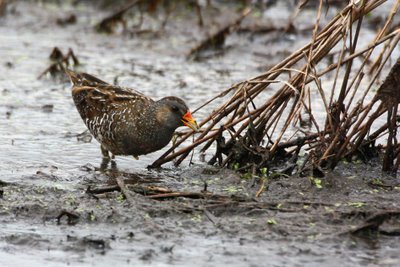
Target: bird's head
173, 113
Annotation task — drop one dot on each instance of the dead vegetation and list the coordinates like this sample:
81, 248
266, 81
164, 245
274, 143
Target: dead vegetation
246, 127
119, 17
108, 24
60, 63
3, 6
217, 39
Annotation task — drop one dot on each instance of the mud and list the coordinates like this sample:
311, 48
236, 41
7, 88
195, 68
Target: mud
48, 216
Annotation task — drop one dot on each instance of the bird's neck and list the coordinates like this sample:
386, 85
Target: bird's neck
153, 126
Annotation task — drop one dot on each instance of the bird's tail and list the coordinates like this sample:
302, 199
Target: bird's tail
75, 77
83, 79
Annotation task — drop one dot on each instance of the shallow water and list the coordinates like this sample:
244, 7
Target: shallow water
46, 164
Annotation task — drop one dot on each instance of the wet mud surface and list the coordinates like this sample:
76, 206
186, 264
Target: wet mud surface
52, 215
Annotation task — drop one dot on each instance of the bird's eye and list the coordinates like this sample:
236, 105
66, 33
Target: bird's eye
175, 108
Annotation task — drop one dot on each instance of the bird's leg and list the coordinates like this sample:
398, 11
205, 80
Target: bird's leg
105, 153
104, 163
114, 165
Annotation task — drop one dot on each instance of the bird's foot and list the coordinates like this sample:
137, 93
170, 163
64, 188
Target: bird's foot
104, 163
136, 157
113, 165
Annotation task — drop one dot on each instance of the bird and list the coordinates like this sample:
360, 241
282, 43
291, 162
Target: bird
125, 121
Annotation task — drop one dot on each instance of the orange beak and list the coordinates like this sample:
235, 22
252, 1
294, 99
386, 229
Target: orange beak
188, 120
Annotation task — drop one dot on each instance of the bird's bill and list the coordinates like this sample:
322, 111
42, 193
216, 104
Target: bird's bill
188, 120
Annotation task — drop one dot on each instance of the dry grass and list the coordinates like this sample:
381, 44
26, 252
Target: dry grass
255, 137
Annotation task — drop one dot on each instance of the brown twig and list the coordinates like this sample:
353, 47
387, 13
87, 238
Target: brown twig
71, 217
216, 39
107, 24
124, 190
371, 226
61, 62
194, 195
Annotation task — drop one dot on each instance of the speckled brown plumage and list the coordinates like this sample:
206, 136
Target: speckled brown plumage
124, 121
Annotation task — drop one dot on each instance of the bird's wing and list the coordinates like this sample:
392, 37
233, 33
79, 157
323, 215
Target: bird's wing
111, 95
84, 79
94, 97
106, 97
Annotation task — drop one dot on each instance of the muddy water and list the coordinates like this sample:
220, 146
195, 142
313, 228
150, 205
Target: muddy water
47, 169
